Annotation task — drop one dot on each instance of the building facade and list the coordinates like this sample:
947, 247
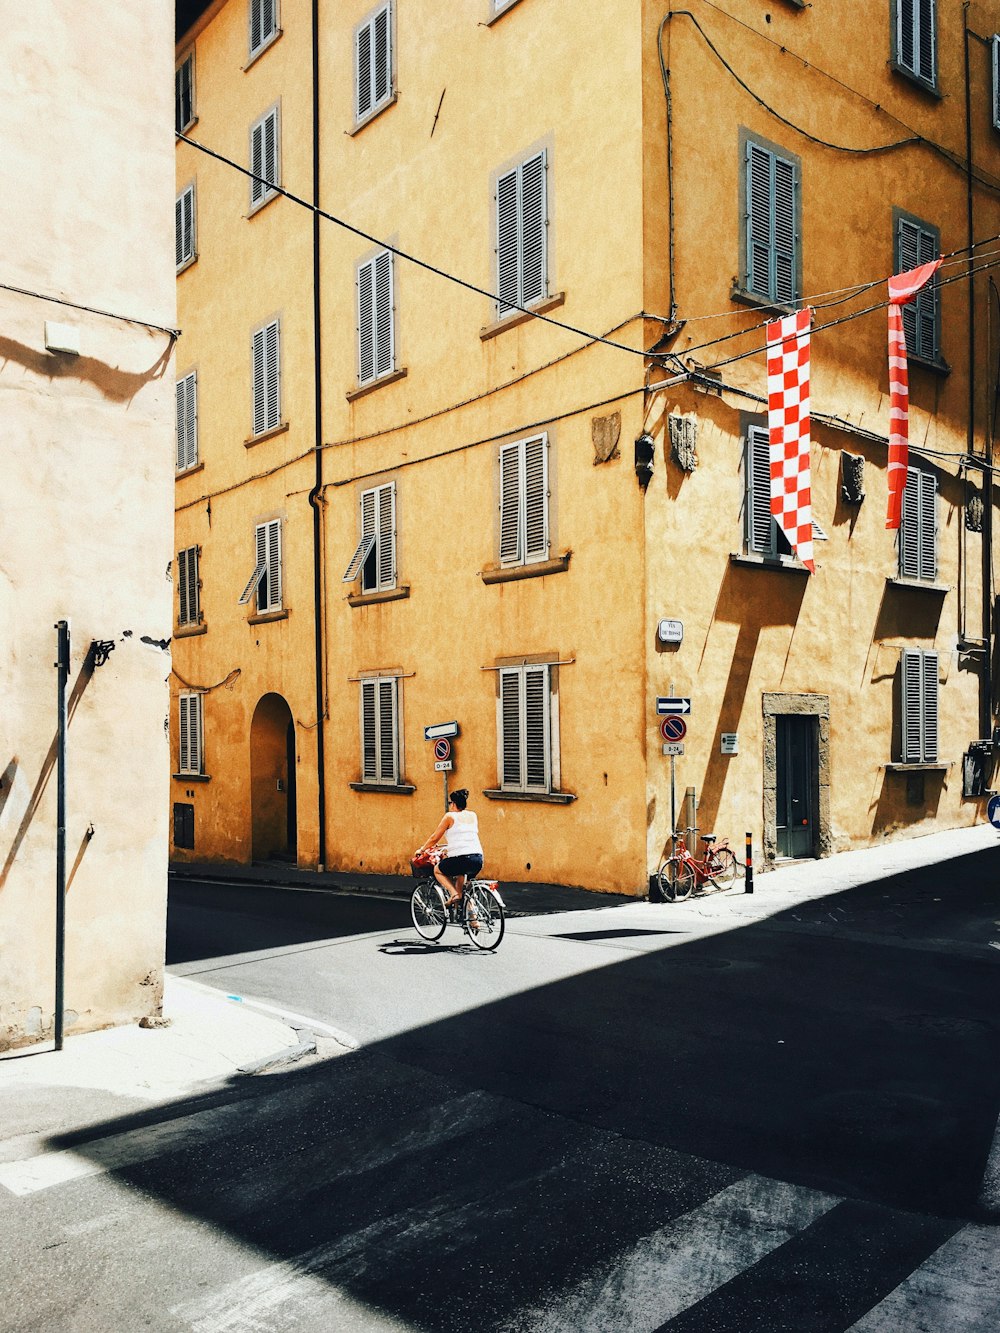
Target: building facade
481, 438
87, 313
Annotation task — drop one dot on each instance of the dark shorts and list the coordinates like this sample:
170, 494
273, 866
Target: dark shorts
461, 865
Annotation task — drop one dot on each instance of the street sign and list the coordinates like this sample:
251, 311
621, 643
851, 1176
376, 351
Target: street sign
443, 766
442, 748
673, 705
673, 747
730, 742
670, 631
673, 728
993, 811
442, 729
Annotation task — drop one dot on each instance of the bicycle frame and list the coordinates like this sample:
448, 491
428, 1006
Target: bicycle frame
704, 869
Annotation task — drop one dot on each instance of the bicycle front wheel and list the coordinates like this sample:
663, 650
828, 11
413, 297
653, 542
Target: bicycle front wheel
723, 867
483, 909
676, 879
427, 910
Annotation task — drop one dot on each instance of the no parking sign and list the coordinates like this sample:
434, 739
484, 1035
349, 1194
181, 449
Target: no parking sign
993, 811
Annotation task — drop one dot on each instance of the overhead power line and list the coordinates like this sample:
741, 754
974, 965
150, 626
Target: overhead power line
90, 309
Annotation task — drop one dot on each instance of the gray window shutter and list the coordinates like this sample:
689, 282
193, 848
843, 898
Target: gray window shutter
259, 384
995, 43
758, 238
785, 229
260, 547
533, 279
190, 745
909, 528
258, 186
380, 730
906, 33
270, 171
760, 526
363, 70
510, 722
917, 245
912, 669
387, 535
369, 728
187, 422
927, 526
927, 41
536, 728
510, 504
271, 583
184, 735
930, 707
507, 243
367, 541
381, 57
536, 480
272, 365
384, 350
184, 95
387, 730
256, 26
184, 224
187, 586
366, 322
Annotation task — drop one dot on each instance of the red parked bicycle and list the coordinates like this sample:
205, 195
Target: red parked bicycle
680, 873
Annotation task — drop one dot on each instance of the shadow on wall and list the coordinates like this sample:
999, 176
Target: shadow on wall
907, 798
119, 386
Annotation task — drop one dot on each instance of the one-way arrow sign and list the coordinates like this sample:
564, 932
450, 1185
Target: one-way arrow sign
673, 705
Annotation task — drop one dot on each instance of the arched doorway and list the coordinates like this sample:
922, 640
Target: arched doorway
272, 780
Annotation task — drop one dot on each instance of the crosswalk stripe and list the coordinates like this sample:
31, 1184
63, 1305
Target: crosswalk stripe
957, 1288
682, 1262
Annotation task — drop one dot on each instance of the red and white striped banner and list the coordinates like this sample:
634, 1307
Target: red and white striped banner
788, 429
902, 289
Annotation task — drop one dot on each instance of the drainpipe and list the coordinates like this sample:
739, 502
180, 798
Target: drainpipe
316, 494
62, 666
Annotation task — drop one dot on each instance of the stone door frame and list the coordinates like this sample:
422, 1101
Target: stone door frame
796, 705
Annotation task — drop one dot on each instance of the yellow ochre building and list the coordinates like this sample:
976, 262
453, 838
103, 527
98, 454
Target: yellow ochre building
482, 437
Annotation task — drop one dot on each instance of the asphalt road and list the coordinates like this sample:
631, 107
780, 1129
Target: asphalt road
630, 1118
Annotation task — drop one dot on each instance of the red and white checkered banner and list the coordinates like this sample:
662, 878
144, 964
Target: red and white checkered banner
902, 289
788, 429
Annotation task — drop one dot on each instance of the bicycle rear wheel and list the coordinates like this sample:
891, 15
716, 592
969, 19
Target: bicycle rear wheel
676, 879
723, 867
427, 910
483, 908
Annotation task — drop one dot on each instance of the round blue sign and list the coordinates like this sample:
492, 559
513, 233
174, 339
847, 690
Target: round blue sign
993, 811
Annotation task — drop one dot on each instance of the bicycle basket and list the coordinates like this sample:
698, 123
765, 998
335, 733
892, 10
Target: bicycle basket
422, 863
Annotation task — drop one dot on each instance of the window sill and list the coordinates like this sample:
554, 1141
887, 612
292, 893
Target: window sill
918, 768
189, 471
922, 585
542, 797
189, 126
926, 363
189, 631
373, 114
364, 389
265, 617
261, 204
256, 55
186, 264
923, 84
191, 777
743, 297
387, 788
500, 14
754, 561
516, 317
265, 435
512, 573
373, 598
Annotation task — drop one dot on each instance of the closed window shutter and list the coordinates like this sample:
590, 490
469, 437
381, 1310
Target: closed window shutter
384, 350
381, 57
995, 43
760, 526
909, 528
187, 586
510, 504
387, 730
510, 721
536, 728
184, 224
184, 95
758, 242
184, 735
930, 708
917, 245
366, 322
258, 185
270, 585
260, 547
259, 384
533, 281
536, 537
507, 243
387, 535
272, 370
190, 746
927, 528
906, 33
363, 70
270, 171
927, 41
256, 25
187, 422
369, 738
785, 287
912, 668
380, 730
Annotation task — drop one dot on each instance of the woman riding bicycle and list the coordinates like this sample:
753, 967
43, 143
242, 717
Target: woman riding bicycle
463, 859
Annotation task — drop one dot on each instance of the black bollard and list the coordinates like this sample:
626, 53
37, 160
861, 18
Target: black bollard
748, 883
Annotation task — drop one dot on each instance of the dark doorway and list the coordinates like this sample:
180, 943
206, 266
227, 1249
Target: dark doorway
290, 769
797, 781
272, 780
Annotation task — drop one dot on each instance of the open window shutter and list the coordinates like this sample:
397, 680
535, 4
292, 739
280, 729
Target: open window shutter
510, 720
536, 728
263, 590
258, 188
259, 384
179, 231
256, 25
269, 169
269, 19
273, 564
536, 480
906, 33
533, 278
785, 239
759, 523
929, 662
387, 730
510, 504
183, 95
927, 41
909, 528
381, 57
383, 313
272, 372
364, 546
507, 243
927, 501
363, 71
912, 674
758, 200
369, 745
387, 535
366, 322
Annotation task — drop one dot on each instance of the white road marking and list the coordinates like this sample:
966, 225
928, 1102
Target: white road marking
957, 1289
682, 1262
301, 1020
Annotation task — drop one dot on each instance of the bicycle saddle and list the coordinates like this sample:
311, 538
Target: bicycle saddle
708, 838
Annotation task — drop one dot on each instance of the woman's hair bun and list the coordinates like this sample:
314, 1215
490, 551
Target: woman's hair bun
460, 797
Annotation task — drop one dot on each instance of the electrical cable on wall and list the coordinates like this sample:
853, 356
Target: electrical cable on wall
174, 334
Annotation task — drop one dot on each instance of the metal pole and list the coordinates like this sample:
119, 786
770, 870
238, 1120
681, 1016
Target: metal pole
62, 666
748, 882
673, 796
444, 775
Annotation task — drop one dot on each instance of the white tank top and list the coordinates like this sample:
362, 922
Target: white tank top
463, 835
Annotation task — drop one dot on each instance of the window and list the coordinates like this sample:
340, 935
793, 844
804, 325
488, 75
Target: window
263, 24
183, 825
266, 378
191, 749
522, 220
995, 45
184, 94
187, 422
762, 535
915, 39
184, 228
524, 501
919, 675
266, 576
524, 726
376, 318
375, 555
188, 585
373, 63
498, 6
380, 730
770, 264
264, 159
918, 528
918, 243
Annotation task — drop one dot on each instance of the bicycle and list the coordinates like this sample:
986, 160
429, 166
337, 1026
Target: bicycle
480, 912
680, 872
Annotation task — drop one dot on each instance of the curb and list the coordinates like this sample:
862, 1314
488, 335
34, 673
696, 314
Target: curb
289, 1056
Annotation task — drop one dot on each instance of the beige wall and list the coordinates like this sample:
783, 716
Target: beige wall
87, 449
